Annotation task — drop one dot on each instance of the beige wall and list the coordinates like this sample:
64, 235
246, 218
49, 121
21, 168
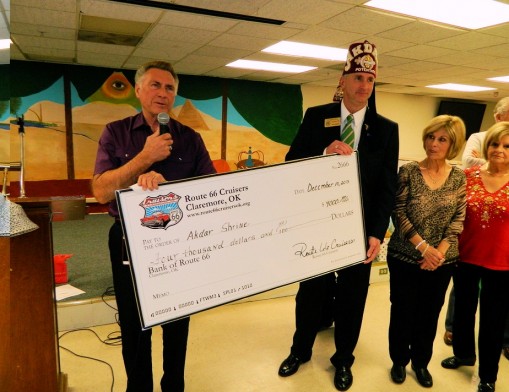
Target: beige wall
5, 149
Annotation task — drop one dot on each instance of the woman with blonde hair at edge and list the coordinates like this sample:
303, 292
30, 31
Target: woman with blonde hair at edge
482, 275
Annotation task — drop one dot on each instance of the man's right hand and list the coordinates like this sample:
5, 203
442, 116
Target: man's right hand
158, 147
338, 147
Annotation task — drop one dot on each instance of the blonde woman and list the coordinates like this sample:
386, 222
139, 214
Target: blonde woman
428, 217
483, 271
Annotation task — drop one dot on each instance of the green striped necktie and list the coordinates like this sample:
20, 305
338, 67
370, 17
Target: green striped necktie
348, 134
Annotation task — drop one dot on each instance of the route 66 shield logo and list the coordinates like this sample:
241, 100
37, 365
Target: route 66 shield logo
161, 211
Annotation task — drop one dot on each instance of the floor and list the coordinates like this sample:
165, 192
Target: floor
238, 347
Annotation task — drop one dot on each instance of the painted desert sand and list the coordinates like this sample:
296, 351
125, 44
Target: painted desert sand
45, 148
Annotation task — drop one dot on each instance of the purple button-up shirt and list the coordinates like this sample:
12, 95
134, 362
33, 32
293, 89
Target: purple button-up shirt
122, 140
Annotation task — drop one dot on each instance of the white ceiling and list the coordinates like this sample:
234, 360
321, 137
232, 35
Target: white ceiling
413, 53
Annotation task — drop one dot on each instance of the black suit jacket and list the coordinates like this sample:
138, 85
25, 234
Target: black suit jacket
378, 152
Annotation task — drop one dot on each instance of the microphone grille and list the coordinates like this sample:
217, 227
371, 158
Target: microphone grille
163, 118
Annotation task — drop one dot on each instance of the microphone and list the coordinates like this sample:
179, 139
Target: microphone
163, 119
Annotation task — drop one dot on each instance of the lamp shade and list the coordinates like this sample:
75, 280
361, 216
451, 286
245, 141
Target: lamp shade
13, 219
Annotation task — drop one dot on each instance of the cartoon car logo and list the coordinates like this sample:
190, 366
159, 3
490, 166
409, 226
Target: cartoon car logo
161, 211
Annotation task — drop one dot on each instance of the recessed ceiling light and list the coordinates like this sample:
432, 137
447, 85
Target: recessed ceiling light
5, 43
467, 14
503, 79
298, 49
460, 87
266, 66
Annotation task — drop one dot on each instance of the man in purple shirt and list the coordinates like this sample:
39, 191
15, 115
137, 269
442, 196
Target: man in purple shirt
134, 151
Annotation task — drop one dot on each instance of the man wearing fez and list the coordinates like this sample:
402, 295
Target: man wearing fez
348, 124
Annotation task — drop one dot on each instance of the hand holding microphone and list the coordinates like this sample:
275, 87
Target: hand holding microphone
163, 119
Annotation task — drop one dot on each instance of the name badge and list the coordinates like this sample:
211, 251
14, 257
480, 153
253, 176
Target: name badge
332, 122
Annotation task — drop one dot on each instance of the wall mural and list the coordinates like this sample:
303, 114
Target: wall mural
261, 118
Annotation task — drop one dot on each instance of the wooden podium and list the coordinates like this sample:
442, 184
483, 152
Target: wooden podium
34, 355
5, 322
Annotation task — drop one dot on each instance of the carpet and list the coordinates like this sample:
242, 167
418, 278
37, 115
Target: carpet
89, 268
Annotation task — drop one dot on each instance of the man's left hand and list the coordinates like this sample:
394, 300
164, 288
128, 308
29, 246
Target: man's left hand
373, 250
150, 180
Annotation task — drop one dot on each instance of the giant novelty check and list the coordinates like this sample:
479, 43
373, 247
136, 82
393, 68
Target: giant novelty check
203, 242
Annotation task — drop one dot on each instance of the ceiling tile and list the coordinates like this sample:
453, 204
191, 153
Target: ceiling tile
421, 52
240, 42
421, 32
250, 7
260, 30
40, 17
412, 53
43, 31
469, 41
309, 12
194, 21
113, 9
320, 35
365, 21
37, 53
164, 50
228, 54
55, 5
501, 50
45, 43
182, 34
195, 68
90, 47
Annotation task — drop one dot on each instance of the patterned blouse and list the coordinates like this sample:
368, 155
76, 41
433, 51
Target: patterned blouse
485, 238
436, 214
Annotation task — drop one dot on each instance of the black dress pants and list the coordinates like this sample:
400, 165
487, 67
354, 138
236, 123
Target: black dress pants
475, 284
417, 296
136, 343
350, 292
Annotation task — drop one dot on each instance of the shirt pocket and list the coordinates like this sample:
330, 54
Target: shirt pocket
178, 167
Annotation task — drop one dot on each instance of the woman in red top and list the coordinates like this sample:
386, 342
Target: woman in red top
483, 273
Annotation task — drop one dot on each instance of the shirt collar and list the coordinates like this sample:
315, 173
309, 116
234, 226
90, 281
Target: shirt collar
139, 122
358, 116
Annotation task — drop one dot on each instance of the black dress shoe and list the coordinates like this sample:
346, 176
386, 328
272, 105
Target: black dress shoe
398, 374
455, 362
343, 378
486, 387
290, 366
423, 377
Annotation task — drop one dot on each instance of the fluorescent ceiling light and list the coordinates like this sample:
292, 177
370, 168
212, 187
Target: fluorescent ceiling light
265, 66
298, 49
468, 14
460, 87
503, 79
5, 44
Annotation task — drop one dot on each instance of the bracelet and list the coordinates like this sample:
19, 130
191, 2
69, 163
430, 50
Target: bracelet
419, 244
425, 250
